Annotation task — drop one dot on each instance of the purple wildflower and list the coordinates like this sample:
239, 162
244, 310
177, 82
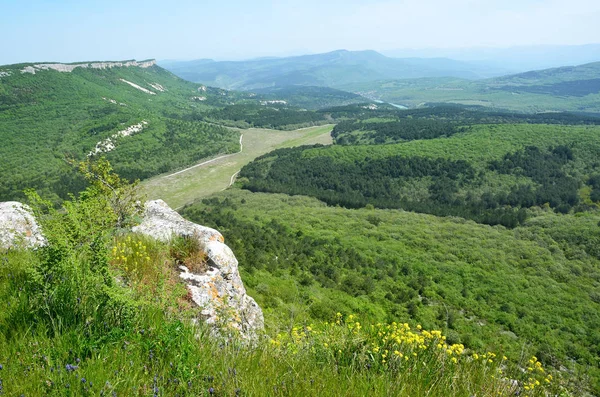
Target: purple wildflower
70, 367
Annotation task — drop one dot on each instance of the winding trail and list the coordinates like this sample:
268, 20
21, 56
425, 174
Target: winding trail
209, 161
232, 179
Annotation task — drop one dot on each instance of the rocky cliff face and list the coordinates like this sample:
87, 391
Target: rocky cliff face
64, 67
219, 291
18, 227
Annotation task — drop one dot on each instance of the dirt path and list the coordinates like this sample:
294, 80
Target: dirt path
217, 174
209, 161
232, 179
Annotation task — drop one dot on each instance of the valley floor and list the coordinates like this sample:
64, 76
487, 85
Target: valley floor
212, 176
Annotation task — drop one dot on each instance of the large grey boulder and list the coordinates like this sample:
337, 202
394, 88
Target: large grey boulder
18, 228
219, 290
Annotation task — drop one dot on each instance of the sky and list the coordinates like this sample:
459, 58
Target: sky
86, 30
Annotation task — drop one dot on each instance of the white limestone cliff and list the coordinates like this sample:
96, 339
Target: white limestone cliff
67, 68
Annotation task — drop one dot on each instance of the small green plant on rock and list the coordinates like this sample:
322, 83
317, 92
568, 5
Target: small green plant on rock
189, 252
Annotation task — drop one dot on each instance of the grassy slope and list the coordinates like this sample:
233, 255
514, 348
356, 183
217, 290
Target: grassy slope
202, 181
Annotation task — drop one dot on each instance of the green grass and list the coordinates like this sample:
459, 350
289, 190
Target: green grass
202, 181
166, 357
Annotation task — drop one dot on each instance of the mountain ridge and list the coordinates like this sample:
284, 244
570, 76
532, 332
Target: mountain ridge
330, 69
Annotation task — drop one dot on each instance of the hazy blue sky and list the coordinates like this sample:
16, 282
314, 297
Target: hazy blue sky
73, 30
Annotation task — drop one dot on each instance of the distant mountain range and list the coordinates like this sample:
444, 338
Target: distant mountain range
332, 69
567, 88
515, 59
411, 82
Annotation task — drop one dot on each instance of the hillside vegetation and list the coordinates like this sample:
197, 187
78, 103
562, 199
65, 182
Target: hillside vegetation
533, 288
99, 311
488, 173
530, 283
310, 97
385, 124
146, 120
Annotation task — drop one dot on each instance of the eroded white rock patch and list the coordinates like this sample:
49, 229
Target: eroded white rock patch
273, 102
138, 87
109, 144
157, 87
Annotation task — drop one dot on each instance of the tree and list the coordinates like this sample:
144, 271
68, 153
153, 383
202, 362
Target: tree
120, 196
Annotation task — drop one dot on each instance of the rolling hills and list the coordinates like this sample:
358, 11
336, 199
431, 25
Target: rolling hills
513, 59
332, 69
572, 88
480, 223
410, 82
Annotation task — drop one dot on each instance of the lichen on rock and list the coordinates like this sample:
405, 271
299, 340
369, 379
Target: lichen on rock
220, 290
18, 227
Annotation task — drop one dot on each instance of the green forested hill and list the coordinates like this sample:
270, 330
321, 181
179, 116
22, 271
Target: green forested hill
488, 173
311, 97
530, 290
363, 125
585, 72
49, 115
530, 280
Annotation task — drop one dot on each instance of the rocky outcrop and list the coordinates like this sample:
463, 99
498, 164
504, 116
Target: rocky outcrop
18, 227
219, 291
64, 67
